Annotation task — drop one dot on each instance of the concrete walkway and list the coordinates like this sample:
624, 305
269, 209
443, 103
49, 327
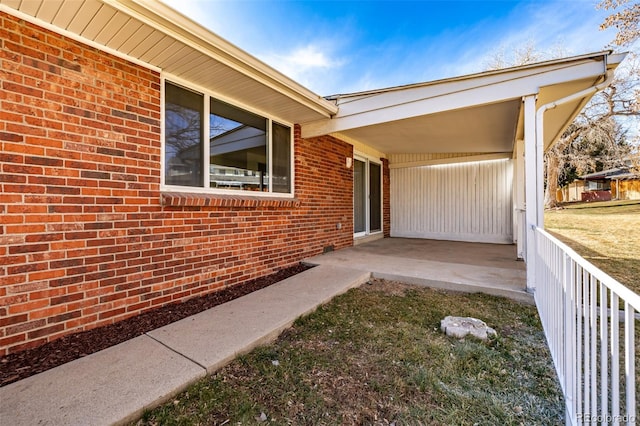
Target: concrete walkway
450, 265
117, 384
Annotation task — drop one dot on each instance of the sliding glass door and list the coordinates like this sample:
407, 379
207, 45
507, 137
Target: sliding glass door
367, 197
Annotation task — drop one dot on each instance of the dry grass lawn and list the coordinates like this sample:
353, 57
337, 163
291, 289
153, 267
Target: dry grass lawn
605, 233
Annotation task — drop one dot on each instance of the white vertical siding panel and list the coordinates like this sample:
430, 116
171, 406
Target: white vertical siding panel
465, 202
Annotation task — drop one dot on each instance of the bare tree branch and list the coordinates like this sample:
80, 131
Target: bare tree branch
627, 20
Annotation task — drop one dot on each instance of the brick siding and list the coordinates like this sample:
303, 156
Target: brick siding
386, 198
86, 236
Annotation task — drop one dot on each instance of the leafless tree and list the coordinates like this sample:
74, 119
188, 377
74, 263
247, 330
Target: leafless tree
605, 133
603, 136
626, 19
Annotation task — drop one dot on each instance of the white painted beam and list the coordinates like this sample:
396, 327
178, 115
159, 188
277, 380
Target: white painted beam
519, 199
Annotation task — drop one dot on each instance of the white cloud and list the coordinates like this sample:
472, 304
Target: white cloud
309, 57
309, 65
302, 59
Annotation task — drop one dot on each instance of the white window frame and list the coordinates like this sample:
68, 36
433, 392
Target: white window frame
368, 159
205, 189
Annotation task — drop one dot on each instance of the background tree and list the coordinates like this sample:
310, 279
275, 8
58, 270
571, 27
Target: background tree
626, 19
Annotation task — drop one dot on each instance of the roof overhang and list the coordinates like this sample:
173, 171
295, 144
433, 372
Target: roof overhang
151, 33
480, 113
615, 173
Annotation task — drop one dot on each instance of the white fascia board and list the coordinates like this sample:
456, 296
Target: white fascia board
350, 105
163, 18
409, 103
614, 59
483, 74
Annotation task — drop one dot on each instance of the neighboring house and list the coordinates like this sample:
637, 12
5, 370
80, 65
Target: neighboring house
619, 183
121, 120
597, 187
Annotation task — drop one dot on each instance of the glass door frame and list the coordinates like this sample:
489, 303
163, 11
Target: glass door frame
368, 160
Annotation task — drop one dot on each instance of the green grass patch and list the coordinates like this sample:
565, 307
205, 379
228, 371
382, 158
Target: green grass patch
375, 355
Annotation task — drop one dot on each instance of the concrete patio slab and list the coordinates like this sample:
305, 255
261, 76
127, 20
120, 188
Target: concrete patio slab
107, 387
501, 256
212, 338
458, 266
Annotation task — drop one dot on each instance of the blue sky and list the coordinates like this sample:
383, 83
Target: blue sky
346, 46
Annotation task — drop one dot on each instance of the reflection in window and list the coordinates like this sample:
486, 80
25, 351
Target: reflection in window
281, 153
244, 148
238, 149
375, 200
183, 136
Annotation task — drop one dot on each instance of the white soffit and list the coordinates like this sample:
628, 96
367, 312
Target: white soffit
477, 113
483, 128
557, 119
152, 33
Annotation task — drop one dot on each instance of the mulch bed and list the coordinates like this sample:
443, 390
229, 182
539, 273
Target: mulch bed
17, 366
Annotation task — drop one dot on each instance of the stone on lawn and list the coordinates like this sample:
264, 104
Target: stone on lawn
461, 326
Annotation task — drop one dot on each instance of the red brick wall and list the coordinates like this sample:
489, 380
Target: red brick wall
85, 239
386, 198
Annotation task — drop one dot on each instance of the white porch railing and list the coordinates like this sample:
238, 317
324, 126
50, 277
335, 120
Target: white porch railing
592, 341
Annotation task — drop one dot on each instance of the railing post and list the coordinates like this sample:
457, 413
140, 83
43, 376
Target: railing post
593, 317
604, 351
629, 362
569, 340
615, 359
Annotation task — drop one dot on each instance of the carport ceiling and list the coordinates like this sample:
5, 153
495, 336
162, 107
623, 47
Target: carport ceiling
484, 128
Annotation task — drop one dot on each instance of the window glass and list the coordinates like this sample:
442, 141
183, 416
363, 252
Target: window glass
238, 149
238, 155
183, 136
281, 152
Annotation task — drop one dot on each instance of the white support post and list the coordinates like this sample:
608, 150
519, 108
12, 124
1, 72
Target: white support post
531, 188
540, 168
519, 217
